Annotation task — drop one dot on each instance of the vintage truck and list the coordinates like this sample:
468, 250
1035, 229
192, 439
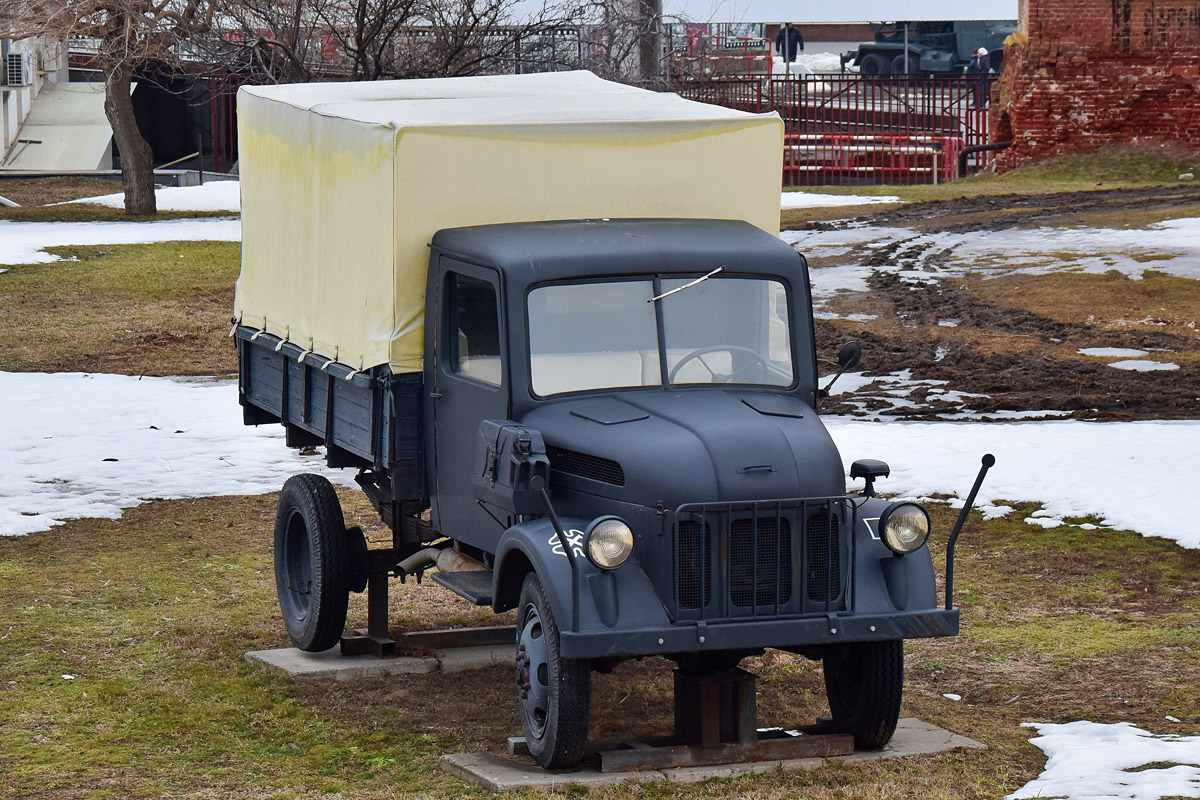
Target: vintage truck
929, 48
574, 367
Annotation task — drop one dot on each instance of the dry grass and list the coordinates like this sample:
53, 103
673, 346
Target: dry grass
42, 191
151, 309
151, 615
1156, 302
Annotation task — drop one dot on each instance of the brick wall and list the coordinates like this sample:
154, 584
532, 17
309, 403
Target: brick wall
1090, 72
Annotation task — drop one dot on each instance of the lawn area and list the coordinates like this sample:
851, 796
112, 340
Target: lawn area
150, 617
136, 309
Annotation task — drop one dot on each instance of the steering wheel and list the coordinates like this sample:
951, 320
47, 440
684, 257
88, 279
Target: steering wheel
699, 354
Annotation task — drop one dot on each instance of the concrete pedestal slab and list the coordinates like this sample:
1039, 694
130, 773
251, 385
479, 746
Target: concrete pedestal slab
332, 665
460, 659
497, 774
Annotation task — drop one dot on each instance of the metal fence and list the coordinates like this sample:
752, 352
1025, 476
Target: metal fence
847, 129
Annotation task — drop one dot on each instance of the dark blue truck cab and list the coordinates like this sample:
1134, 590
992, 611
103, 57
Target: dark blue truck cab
616, 434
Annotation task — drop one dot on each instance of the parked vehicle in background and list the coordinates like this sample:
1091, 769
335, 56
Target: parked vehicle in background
929, 48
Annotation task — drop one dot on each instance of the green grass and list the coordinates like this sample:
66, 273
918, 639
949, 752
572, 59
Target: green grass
150, 616
155, 309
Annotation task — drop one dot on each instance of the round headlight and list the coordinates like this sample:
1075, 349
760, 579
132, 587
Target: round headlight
608, 541
904, 527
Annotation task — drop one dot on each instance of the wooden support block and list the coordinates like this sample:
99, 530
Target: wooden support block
715, 707
783, 748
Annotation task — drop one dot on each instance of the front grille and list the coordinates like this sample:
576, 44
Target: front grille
822, 557
604, 470
765, 558
760, 562
693, 564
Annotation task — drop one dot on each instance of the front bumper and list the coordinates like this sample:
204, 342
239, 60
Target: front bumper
747, 634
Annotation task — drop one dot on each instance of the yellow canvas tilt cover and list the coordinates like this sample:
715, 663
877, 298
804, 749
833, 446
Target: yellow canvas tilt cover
344, 184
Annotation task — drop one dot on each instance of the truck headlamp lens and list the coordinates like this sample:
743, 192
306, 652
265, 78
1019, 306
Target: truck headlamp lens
904, 527
609, 541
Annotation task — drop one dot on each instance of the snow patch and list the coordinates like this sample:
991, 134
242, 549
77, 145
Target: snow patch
1144, 366
789, 200
1093, 761
1131, 481
1111, 352
26, 242
80, 445
211, 196
1171, 247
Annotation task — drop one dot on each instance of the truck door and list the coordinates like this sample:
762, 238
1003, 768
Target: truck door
470, 384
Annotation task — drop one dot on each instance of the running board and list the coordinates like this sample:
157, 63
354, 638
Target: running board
475, 586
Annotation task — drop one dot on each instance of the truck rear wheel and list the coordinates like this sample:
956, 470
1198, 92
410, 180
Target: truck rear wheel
865, 683
898, 66
554, 693
313, 562
873, 65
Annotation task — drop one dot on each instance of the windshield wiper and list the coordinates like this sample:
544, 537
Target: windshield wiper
687, 285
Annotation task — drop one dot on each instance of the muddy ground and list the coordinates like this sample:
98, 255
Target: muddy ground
1016, 342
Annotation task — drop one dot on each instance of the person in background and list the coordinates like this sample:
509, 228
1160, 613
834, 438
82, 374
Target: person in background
978, 69
789, 42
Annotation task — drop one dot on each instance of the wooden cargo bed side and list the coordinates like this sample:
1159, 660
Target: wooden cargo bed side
364, 419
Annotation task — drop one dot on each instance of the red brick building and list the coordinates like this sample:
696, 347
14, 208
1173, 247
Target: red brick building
1084, 73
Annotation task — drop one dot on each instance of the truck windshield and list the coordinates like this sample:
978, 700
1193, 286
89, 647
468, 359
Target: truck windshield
587, 336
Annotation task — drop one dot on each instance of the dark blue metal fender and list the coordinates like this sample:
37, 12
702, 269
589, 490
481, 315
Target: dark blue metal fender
623, 598
883, 581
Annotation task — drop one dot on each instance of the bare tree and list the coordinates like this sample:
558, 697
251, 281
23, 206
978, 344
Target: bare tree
277, 41
626, 39
436, 38
127, 35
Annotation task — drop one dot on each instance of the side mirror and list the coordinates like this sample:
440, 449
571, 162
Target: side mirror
848, 356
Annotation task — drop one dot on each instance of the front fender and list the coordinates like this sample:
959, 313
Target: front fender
883, 581
600, 600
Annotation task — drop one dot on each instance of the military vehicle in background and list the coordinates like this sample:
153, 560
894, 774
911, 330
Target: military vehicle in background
929, 48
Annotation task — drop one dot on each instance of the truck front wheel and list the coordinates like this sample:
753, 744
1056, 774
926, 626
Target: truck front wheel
555, 693
873, 65
313, 562
865, 683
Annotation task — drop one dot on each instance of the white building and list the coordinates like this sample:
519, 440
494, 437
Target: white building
46, 122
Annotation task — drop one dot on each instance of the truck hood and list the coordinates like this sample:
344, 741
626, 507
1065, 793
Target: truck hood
672, 447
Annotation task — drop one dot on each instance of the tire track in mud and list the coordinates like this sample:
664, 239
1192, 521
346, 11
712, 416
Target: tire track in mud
1001, 212
1025, 375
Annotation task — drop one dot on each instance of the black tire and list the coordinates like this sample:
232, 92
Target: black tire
360, 559
865, 684
873, 65
554, 693
312, 562
897, 66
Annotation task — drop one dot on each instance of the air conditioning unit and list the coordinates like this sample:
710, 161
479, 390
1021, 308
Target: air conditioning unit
16, 70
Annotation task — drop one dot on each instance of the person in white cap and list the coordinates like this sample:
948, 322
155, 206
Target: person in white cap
979, 68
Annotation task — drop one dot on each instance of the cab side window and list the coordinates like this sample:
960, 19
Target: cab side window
474, 328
